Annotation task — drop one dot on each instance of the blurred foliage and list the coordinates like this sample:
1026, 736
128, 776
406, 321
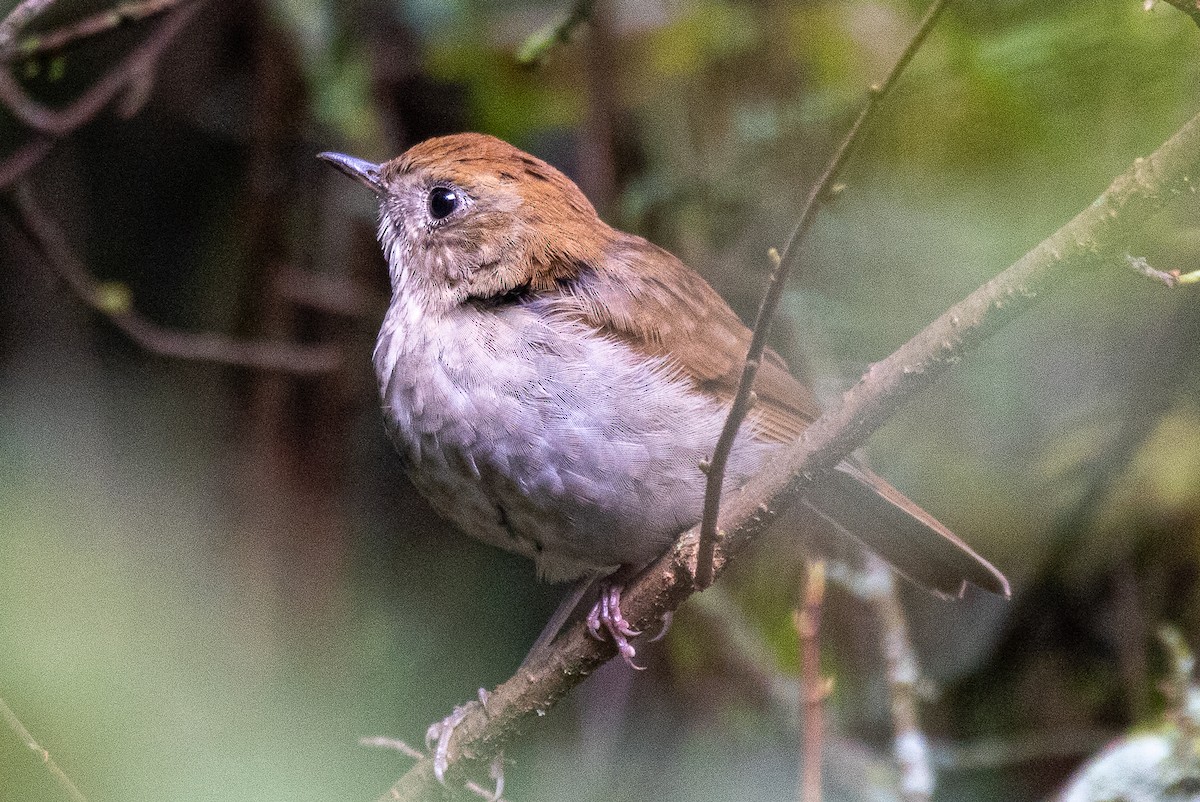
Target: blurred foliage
212, 584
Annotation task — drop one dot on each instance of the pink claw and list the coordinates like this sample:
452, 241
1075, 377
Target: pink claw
437, 740
666, 619
607, 615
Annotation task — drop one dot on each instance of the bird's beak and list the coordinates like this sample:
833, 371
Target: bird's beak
360, 170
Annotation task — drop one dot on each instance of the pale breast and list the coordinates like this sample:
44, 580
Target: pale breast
540, 436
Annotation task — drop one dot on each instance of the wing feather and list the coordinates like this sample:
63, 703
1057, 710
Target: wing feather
644, 296
660, 307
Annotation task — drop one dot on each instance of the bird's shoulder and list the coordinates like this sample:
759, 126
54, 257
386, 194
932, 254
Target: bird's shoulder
644, 296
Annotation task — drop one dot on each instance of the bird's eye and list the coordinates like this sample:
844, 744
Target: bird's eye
442, 202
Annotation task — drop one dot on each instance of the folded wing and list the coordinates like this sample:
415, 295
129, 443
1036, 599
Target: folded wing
641, 306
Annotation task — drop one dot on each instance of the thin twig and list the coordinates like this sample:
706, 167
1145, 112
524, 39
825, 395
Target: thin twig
113, 301
783, 264
396, 745
55, 40
133, 72
739, 643
19, 17
24, 159
911, 746
1091, 241
814, 689
134, 75
43, 754
1172, 278
539, 45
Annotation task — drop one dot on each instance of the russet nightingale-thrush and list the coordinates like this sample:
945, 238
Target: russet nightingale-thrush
553, 384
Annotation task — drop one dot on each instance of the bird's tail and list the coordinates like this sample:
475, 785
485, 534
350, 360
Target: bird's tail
858, 502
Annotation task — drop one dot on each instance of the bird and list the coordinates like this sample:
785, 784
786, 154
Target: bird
554, 386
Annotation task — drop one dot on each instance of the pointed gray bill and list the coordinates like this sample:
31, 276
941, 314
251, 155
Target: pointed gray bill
365, 172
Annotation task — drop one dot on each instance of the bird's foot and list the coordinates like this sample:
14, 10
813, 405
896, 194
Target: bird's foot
437, 742
606, 618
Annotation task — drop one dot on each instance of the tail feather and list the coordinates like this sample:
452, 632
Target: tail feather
860, 503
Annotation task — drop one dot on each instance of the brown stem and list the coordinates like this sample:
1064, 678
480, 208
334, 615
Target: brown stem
112, 301
814, 689
59, 38
19, 17
134, 75
783, 264
133, 71
1141, 266
24, 159
1090, 241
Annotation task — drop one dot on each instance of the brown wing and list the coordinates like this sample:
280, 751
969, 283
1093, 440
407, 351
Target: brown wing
662, 307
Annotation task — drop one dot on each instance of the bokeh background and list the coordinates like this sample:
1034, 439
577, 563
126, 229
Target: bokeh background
214, 580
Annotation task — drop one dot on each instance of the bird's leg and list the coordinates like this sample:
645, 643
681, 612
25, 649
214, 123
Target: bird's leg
560, 617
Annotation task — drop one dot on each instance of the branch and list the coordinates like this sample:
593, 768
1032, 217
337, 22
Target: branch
1090, 241
911, 747
1172, 278
112, 300
43, 754
536, 47
19, 17
59, 38
814, 689
23, 159
130, 72
783, 264
134, 75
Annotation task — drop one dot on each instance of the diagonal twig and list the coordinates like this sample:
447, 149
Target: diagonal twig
132, 71
113, 302
783, 263
134, 76
1172, 278
43, 754
59, 38
19, 17
535, 49
23, 159
1091, 241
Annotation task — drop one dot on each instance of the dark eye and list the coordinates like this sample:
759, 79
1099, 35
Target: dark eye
442, 202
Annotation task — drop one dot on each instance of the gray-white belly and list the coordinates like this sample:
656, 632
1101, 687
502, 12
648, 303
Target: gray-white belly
539, 436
